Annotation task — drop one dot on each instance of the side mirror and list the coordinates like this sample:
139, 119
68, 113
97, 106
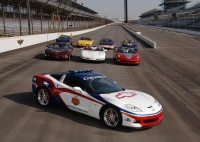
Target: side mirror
78, 89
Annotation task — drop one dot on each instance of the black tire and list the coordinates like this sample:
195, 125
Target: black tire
43, 96
115, 61
113, 57
111, 117
81, 60
46, 58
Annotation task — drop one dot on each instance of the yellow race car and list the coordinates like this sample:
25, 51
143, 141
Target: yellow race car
84, 41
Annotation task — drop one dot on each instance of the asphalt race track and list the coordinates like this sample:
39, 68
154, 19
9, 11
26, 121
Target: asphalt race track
170, 73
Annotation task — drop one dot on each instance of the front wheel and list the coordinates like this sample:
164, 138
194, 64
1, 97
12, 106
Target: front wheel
43, 96
111, 117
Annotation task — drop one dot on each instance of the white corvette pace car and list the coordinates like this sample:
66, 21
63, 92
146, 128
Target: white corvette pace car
93, 53
96, 95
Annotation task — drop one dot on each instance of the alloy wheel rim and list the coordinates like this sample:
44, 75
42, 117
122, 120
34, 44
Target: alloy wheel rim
111, 117
43, 97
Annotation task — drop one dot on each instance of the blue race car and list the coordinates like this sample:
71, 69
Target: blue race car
129, 43
64, 38
107, 43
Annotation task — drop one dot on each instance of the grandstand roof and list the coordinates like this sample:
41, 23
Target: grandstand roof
67, 6
176, 9
171, 4
196, 6
150, 13
174, 2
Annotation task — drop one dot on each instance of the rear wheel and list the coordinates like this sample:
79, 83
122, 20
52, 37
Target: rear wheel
111, 117
43, 96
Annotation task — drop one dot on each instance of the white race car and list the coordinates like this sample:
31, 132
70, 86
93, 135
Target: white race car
96, 95
93, 53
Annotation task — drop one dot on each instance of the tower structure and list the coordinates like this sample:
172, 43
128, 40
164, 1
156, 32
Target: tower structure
170, 4
125, 11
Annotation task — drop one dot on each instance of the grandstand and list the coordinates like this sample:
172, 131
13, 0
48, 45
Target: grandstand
170, 4
22, 17
176, 17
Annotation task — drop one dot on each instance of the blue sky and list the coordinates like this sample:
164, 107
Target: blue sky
115, 8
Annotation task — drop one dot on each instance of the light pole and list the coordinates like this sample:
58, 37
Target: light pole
125, 11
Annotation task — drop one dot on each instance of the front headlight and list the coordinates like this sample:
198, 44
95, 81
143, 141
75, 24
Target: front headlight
119, 56
132, 108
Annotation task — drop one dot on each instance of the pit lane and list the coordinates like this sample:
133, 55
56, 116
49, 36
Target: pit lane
170, 73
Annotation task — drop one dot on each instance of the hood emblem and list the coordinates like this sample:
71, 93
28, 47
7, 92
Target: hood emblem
75, 101
122, 95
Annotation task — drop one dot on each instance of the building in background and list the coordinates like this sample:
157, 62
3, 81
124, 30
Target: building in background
170, 4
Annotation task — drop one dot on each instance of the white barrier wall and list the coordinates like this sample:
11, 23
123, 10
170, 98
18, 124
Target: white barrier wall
196, 33
12, 43
146, 40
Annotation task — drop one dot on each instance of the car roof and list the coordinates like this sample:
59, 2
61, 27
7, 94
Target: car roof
66, 43
63, 36
82, 73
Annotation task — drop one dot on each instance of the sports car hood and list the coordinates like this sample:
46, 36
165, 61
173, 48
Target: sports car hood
56, 50
89, 54
131, 97
128, 55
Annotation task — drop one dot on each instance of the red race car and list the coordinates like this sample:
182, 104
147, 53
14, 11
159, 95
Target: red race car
59, 50
126, 55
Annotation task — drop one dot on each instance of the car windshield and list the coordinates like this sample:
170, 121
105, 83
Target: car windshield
128, 41
64, 36
85, 38
93, 48
59, 46
100, 85
126, 50
106, 40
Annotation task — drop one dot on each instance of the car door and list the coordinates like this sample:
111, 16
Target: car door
75, 99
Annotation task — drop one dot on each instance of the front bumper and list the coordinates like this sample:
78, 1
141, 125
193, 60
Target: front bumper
108, 46
58, 56
141, 121
83, 44
129, 62
93, 59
